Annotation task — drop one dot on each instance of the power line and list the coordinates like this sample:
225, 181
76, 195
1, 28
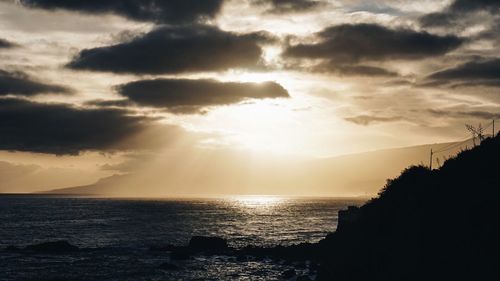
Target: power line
448, 145
451, 146
475, 132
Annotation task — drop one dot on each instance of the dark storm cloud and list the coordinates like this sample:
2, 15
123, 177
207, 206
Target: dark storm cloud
167, 11
17, 83
366, 120
62, 129
287, 6
474, 5
196, 48
188, 96
354, 43
4, 44
458, 10
484, 72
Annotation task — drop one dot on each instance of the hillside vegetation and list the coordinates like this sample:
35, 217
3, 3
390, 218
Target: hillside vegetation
424, 225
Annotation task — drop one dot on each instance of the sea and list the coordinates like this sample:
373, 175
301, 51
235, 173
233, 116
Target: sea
118, 234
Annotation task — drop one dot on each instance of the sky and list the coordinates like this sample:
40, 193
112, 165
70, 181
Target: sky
157, 93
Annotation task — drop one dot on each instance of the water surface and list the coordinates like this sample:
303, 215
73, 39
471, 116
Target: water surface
124, 229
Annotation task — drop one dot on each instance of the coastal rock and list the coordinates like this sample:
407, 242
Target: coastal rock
347, 217
208, 244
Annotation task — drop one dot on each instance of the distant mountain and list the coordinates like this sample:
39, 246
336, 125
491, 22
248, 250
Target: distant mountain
350, 175
442, 224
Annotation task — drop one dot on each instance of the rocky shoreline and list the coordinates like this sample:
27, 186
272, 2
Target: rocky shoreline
302, 258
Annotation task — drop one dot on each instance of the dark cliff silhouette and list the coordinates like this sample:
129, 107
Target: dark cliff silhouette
424, 225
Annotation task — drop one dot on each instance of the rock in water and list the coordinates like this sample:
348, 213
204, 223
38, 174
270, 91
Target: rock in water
208, 244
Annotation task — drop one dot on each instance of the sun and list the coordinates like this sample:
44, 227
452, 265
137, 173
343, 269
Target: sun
264, 125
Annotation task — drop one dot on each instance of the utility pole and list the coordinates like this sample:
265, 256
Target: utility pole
493, 135
430, 162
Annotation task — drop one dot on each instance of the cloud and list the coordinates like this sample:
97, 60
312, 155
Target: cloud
10, 170
484, 72
458, 11
171, 11
20, 84
4, 44
350, 43
291, 6
196, 48
374, 7
355, 70
468, 6
366, 120
110, 103
63, 129
486, 115
188, 96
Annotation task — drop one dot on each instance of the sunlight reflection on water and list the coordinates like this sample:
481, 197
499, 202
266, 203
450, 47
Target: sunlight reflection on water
258, 201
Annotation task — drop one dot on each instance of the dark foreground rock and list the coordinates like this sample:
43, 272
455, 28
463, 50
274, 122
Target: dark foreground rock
208, 244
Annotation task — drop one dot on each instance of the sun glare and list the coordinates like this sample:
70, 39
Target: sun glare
263, 126
258, 201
